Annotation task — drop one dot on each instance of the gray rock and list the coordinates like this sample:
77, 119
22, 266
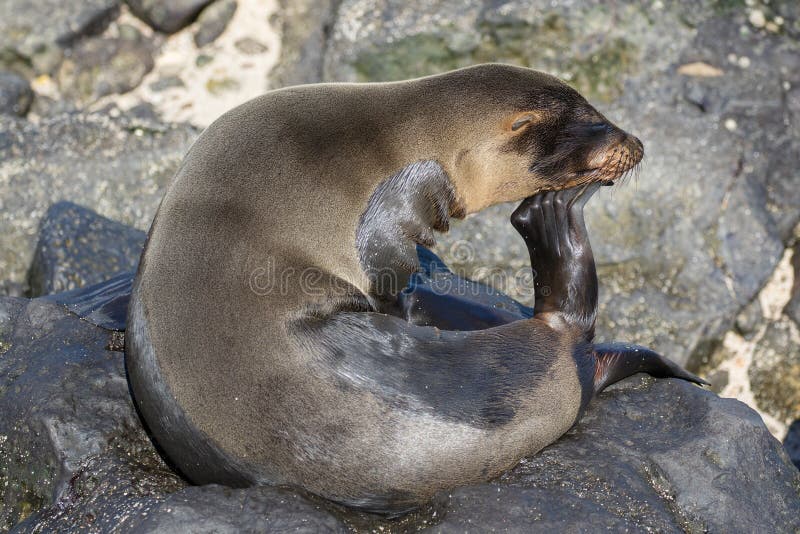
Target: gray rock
44, 106
250, 46
119, 167
213, 20
15, 94
775, 371
103, 66
749, 319
718, 379
77, 247
593, 46
792, 442
693, 240
145, 112
34, 33
167, 82
167, 17
219, 509
73, 454
64, 400
648, 455
10, 288
305, 26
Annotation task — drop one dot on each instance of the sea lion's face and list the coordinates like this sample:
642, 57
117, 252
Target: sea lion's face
566, 142
550, 139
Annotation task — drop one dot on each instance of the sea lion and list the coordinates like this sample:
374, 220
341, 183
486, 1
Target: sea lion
267, 341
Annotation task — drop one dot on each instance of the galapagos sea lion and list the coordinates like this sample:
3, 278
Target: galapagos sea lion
266, 340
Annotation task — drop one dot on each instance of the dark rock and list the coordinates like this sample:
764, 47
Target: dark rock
305, 25
167, 17
718, 379
792, 442
775, 371
692, 242
15, 94
34, 33
648, 455
155, 501
144, 112
213, 20
77, 247
64, 401
749, 319
219, 509
118, 166
103, 66
74, 456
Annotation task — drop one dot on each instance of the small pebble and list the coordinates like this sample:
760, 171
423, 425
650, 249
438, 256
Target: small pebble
730, 125
744, 62
249, 46
757, 18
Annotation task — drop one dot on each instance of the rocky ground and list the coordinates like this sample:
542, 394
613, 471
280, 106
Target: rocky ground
657, 455
100, 99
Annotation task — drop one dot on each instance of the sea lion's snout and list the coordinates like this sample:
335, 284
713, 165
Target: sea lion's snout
588, 148
615, 154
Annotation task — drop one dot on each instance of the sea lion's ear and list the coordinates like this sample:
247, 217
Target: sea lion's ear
518, 122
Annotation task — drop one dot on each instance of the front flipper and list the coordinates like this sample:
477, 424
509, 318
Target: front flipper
403, 211
616, 361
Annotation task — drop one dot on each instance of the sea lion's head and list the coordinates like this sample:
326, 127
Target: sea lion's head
536, 134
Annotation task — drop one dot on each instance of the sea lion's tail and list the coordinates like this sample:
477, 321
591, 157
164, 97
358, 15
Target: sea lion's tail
615, 361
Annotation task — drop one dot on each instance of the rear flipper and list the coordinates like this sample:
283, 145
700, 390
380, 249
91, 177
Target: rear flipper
616, 361
104, 304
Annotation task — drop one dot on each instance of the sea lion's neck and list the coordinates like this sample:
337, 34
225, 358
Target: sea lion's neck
413, 139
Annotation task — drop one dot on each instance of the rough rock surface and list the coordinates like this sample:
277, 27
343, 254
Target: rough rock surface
105, 65
15, 94
169, 16
213, 20
34, 33
64, 399
305, 25
77, 247
119, 167
775, 371
660, 455
792, 443
691, 242
633, 464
